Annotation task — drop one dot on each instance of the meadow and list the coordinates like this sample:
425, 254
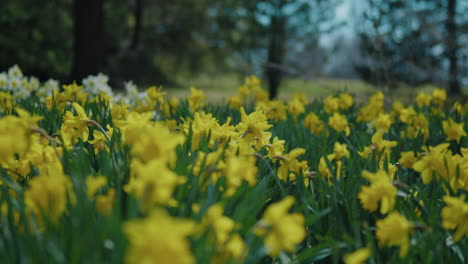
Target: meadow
93, 176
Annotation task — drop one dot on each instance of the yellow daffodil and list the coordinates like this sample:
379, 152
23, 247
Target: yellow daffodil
313, 123
383, 122
381, 190
296, 107
357, 257
290, 163
75, 127
221, 225
455, 216
439, 96
372, 109
423, 99
253, 127
235, 102
345, 101
324, 170
432, 161
93, 184
49, 193
159, 238
196, 99
105, 202
453, 131
407, 159
119, 111
239, 169
152, 183
339, 123
378, 145
282, 231
155, 94
394, 231
340, 151
331, 104
274, 110
276, 148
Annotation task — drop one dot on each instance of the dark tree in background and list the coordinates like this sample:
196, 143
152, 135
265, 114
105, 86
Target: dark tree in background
276, 28
37, 37
88, 57
163, 42
290, 23
138, 14
158, 41
276, 48
452, 47
413, 42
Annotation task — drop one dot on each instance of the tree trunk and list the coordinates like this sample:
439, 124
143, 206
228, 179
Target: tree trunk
138, 11
452, 48
275, 54
88, 38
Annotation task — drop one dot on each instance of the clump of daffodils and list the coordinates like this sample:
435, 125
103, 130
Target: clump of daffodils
181, 178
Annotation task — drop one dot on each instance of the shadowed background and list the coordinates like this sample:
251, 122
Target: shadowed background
312, 46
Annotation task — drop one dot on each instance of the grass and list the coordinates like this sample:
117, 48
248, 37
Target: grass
220, 87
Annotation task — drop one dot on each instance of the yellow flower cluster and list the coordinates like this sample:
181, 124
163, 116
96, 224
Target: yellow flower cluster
176, 174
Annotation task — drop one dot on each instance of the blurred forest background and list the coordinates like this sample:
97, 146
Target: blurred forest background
386, 43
